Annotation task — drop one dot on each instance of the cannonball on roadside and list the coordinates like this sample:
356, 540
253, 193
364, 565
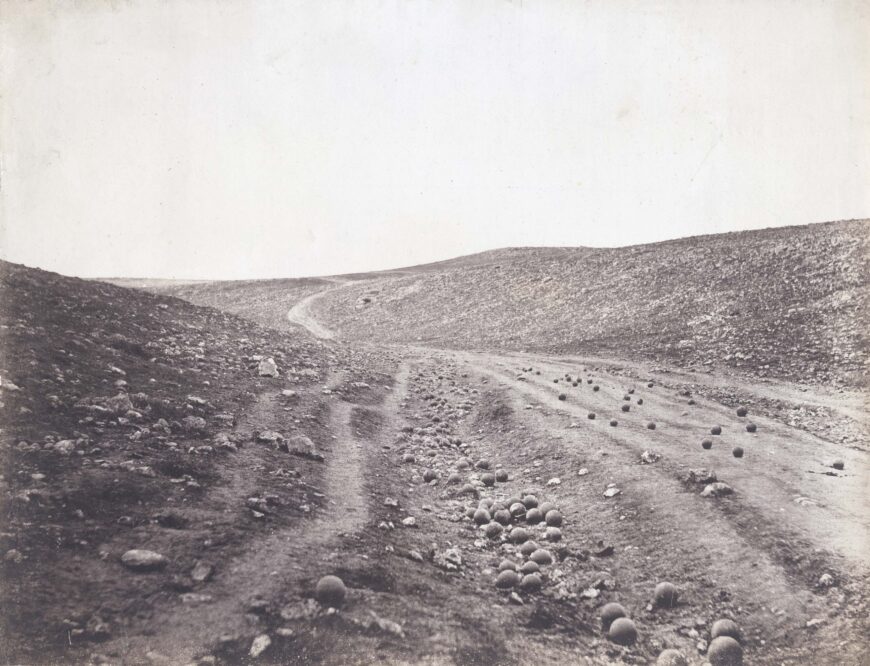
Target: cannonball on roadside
640, 401
463, 463
716, 430
507, 564
520, 535
737, 452
596, 388
665, 595
485, 502
563, 397
408, 458
546, 506
591, 416
622, 631
626, 407
529, 567
614, 422
724, 651
430, 475
610, 612
751, 427
541, 556
488, 479
482, 464
649, 385
725, 627
838, 464
650, 426
671, 657
493, 530
742, 411
531, 582
528, 548
454, 478
507, 579
502, 517
553, 518
330, 591
534, 516
501, 475
553, 534
518, 509
482, 517
707, 444
530, 501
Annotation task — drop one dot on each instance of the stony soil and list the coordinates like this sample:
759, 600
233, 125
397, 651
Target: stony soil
134, 420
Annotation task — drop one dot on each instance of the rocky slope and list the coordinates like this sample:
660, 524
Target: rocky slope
139, 422
789, 302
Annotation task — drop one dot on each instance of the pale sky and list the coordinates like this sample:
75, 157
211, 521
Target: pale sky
235, 139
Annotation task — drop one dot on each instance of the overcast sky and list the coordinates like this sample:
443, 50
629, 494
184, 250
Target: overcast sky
232, 138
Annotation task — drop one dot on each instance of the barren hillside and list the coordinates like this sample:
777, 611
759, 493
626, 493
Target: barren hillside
791, 302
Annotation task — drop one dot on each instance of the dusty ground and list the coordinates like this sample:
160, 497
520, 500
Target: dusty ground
785, 554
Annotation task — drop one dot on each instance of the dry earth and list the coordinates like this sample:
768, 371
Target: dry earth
403, 440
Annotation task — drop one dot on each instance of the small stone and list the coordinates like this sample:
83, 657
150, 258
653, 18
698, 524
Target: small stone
143, 560
260, 645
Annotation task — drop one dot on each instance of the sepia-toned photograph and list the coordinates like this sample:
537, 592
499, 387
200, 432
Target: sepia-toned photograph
434, 332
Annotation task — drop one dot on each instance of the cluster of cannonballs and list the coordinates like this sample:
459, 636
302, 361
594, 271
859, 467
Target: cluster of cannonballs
495, 517
737, 451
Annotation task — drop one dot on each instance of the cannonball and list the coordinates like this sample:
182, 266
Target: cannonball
649, 385
502, 517
742, 411
591, 416
518, 509
690, 402
488, 479
563, 397
614, 422
707, 444
553, 518
507, 579
610, 612
650, 426
534, 516
622, 631
596, 388
454, 478
838, 464
725, 627
482, 517
463, 463
530, 501
520, 535
482, 464
724, 651
553, 534
630, 391
430, 475
640, 401
528, 548
545, 507
541, 557
493, 530
737, 452
531, 582
469, 512
671, 657
408, 458
486, 502
504, 565
751, 427
665, 595
501, 475
330, 591
716, 430
626, 398
626, 408
529, 567
513, 499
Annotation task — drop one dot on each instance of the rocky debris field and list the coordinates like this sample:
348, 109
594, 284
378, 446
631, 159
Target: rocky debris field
211, 484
